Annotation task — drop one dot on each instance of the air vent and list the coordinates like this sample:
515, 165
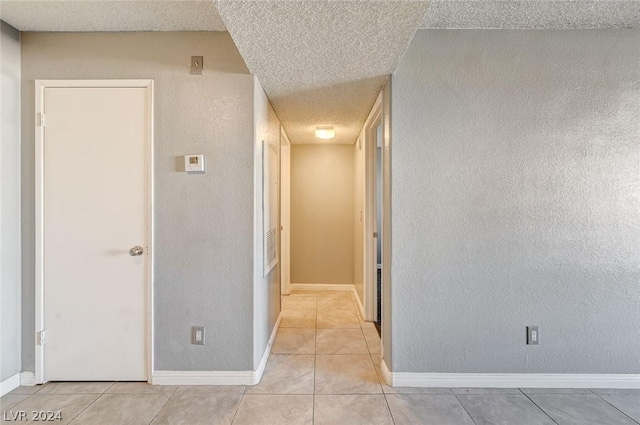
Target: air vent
271, 253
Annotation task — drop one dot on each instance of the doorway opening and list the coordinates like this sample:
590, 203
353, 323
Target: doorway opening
373, 229
285, 213
378, 224
332, 215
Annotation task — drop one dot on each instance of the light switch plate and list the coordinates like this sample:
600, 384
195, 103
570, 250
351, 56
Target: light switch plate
197, 65
194, 163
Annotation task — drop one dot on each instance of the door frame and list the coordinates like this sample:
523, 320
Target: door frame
370, 248
285, 225
40, 86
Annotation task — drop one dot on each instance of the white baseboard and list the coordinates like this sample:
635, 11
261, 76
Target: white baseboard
240, 377
510, 380
9, 384
265, 357
28, 379
322, 286
386, 373
359, 303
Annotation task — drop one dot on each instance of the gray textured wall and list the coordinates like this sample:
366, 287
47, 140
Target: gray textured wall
322, 205
10, 284
203, 223
266, 290
516, 201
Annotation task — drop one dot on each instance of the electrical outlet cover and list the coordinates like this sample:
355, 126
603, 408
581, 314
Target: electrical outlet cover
197, 335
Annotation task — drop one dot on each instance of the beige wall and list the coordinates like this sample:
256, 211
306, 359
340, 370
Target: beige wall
322, 205
358, 217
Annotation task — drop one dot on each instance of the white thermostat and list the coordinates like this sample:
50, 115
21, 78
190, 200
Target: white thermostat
194, 163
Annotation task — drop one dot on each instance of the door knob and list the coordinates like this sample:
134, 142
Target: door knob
135, 251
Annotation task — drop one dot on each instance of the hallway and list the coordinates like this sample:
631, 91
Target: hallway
323, 370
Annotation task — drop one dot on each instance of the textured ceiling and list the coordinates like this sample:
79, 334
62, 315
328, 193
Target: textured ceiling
322, 62
111, 15
533, 14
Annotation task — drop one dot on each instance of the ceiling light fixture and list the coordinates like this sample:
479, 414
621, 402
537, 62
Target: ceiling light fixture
325, 132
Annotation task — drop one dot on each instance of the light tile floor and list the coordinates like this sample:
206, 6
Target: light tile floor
323, 370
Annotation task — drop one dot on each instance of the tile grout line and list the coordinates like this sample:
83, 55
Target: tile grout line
382, 388
388, 407
464, 408
384, 395
536, 404
20, 402
605, 400
244, 392
238, 407
90, 404
340, 329
28, 396
164, 404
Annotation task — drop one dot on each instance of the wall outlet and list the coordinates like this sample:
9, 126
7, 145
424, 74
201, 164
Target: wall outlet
197, 335
533, 335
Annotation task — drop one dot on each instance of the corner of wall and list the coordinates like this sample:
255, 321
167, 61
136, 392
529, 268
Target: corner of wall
387, 313
266, 289
11, 213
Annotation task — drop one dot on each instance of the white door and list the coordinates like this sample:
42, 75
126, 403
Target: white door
94, 203
285, 212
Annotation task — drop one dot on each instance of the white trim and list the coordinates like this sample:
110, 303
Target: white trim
40, 86
510, 380
9, 384
257, 374
359, 303
285, 225
235, 377
150, 231
369, 205
27, 379
386, 373
322, 286
139, 83
39, 234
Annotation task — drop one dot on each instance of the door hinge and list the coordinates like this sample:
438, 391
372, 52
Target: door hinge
40, 337
41, 122
375, 234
